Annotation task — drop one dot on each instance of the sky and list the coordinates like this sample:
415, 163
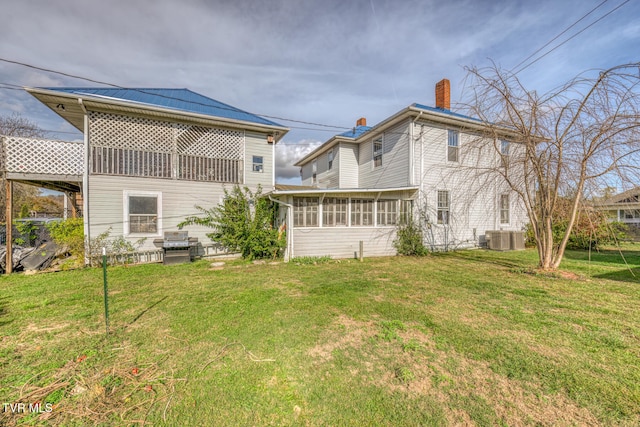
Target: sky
303, 63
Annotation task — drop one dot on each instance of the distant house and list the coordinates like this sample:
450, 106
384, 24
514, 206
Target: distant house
148, 156
422, 161
623, 207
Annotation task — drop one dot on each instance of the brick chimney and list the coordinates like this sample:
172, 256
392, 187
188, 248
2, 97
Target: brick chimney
361, 122
443, 94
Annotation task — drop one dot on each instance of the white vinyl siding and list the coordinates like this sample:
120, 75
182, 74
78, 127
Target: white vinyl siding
256, 146
108, 207
395, 160
348, 166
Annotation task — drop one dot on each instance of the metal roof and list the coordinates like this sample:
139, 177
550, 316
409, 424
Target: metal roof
443, 111
175, 99
355, 132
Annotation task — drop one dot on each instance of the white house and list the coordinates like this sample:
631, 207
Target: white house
148, 157
422, 161
624, 207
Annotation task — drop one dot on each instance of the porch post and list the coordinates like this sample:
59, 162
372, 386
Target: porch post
9, 226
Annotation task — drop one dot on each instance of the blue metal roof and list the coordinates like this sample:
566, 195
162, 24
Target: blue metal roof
175, 99
356, 131
443, 111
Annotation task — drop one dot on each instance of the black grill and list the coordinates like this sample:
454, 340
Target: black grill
176, 247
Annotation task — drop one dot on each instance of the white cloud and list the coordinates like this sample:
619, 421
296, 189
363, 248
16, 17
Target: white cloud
287, 154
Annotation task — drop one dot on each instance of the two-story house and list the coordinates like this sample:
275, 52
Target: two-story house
148, 157
423, 161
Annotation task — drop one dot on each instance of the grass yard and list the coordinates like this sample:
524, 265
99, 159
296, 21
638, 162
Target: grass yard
467, 338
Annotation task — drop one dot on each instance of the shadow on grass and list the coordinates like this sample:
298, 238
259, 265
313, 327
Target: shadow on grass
481, 258
622, 275
142, 313
609, 256
3, 312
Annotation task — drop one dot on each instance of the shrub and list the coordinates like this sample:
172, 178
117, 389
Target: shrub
69, 234
243, 222
409, 239
591, 229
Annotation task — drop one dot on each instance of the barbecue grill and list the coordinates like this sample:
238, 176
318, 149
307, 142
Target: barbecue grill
177, 248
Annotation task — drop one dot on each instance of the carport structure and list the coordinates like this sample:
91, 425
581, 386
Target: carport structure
52, 164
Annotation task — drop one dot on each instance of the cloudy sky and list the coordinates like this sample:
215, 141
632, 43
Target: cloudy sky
325, 62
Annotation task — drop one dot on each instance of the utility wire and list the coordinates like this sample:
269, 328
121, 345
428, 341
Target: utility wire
48, 70
573, 36
556, 37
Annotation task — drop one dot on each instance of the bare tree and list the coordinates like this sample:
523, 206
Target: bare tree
577, 138
16, 125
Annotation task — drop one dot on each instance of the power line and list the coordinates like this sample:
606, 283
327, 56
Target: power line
556, 37
573, 36
48, 70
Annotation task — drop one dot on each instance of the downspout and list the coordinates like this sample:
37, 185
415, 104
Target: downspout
412, 150
289, 253
85, 187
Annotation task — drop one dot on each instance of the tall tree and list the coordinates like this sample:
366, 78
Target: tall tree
574, 139
16, 125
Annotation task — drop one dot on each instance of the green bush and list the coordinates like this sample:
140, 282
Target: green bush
591, 229
70, 235
409, 239
243, 222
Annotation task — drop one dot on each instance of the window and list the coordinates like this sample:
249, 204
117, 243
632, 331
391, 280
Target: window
452, 146
504, 209
334, 212
258, 162
305, 212
314, 172
443, 207
387, 212
142, 212
504, 153
631, 214
377, 152
330, 159
361, 212
406, 211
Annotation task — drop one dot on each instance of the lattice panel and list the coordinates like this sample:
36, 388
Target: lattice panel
116, 131
210, 142
43, 156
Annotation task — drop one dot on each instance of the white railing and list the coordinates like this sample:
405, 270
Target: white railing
41, 156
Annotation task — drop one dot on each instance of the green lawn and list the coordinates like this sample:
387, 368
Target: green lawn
472, 337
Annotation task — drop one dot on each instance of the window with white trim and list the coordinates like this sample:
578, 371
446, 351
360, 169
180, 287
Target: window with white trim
443, 207
387, 212
142, 212
377, 152
330, 159
334, 212
504, 209
453, 145
305, 212
504, 153
258, 163
314, 172
361, 212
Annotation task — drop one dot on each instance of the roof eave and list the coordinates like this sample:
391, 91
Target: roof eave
278, 131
